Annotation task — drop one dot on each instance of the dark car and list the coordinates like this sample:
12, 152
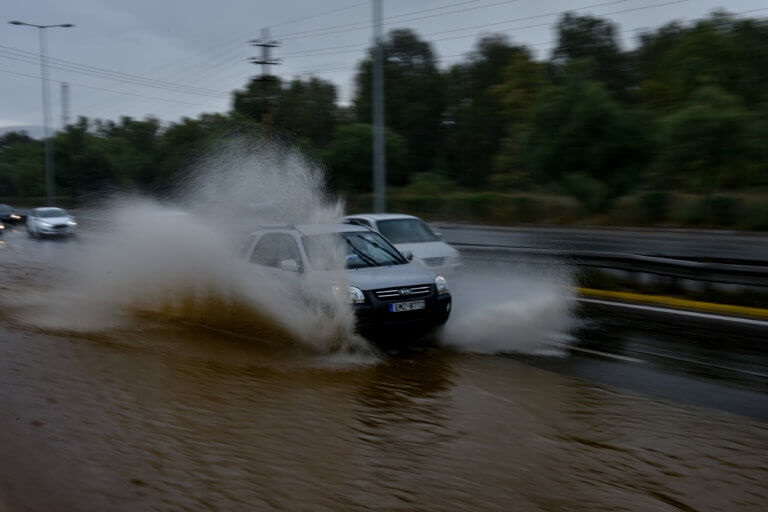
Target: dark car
8, 215
387, 291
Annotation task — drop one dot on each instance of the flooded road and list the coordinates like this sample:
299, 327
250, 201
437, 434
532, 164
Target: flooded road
170, 413
144, 366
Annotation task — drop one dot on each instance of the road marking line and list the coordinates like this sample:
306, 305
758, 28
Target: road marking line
606, 355
696, 314
675, 302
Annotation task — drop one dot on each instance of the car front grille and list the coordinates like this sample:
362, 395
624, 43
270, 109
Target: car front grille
404, 292
435, 262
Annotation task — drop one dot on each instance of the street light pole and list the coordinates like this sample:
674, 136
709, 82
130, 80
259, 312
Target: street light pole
50, 183
379, 145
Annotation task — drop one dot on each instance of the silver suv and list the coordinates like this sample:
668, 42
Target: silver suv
386, 290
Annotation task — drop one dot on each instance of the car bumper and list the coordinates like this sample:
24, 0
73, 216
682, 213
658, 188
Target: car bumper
56, 230
375, 318
441, 265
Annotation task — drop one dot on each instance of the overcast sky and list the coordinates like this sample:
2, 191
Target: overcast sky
181, 58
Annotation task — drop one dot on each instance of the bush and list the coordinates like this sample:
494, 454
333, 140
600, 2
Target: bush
429, 183
593, 194
655, 206
691, 213
722, 210
757, 215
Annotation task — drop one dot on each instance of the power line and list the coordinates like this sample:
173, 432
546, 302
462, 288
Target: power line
317, 53
73, 67
367, 24
314, 16
112, 90
543, 43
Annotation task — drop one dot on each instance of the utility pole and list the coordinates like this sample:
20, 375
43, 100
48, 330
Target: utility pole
50, 180
265, 61
379, 153
64, 104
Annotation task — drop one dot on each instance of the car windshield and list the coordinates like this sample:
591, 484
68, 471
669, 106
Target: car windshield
5, 209
52, 212
359, 249
406, 231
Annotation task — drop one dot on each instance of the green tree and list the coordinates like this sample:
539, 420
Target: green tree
706, 144
82, 165
677, 60
414, 97
587, 37
524, 79
578, 127
132, 147
307, 110
10, 139
299, 110
349, 158
474, 120
22, 172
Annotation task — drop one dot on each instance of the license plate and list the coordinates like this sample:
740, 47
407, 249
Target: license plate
406, 306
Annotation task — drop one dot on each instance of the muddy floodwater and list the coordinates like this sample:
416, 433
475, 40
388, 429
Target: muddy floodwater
170, 414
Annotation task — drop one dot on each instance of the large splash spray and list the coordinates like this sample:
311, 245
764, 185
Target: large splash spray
178, 260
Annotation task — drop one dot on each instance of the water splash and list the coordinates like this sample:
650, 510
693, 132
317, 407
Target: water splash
179, 261
502, 309
244, 183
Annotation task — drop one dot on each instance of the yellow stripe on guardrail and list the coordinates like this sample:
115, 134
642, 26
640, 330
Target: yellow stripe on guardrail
673, 302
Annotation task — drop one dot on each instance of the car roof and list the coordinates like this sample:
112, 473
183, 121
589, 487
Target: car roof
380, 216
315, 229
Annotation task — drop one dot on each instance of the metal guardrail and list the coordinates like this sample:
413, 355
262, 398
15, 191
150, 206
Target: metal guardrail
724, 273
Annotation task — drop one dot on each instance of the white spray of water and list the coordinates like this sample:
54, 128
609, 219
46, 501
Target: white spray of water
502, 309
181, 262
242, 184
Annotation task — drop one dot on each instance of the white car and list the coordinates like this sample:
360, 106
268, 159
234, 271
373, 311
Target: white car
411, 234
50, 221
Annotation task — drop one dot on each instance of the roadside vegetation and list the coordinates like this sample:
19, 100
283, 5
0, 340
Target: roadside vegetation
670, 133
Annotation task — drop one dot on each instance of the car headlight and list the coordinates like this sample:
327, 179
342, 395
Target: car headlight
72, 223
441, 284
354, 294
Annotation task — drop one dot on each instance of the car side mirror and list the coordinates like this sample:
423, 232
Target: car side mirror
289, 265
438, 235
408, 255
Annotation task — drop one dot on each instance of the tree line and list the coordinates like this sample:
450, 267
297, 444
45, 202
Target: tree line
685, 110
